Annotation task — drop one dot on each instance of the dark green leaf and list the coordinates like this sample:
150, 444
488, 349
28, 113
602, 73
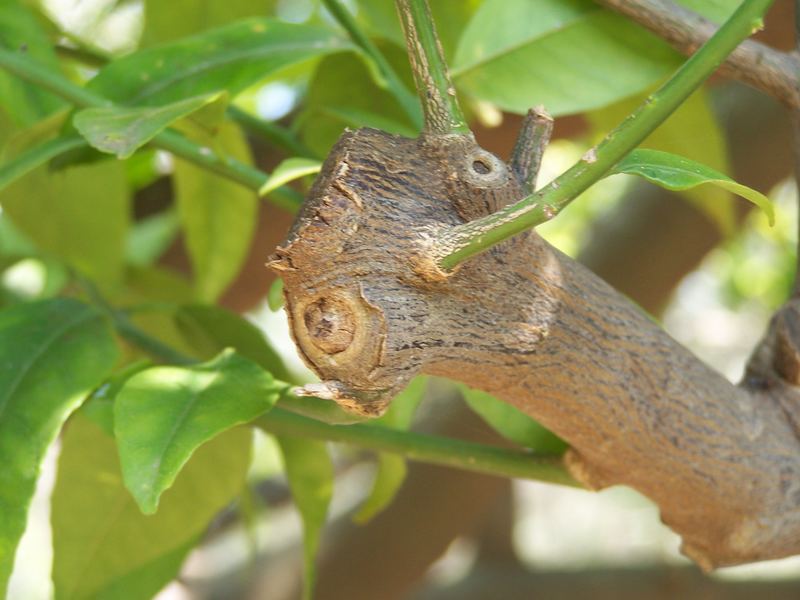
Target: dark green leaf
218, 218
512, 423
162, 415
229, 58
122, 130
104, 547
310, 474
84, 225
679, 173
211, 329
52, 353
569, 55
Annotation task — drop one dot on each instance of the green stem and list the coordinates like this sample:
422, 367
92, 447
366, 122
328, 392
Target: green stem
436, 450
407, 100
171, 141
436, 91
464, 241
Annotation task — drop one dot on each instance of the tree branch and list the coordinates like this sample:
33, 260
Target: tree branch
771, 71
436, 91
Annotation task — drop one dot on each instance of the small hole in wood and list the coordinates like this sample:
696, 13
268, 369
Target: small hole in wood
481, 167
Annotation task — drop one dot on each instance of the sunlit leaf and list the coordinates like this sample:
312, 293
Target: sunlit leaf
289, 170
691, 131
84, 224
569, 56
218, 217
275, 299
512, 423
104, 548
229, 58
310, 473
679, 173
123, 130
162, 415
52, 353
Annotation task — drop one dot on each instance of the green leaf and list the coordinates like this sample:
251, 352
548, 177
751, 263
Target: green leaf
389, 477
229, 58
104, 548
21, 165
310, 473
162, 415
218, 218
289, 170
569, 55
123, 130
331, 106
211, 329
25, 103
150, 237
165, 21
691, 131
52, 353
85, 225
512, 423
678, 173
275, 299
391, 470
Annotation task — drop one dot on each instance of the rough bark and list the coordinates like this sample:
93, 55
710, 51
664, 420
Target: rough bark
369, 310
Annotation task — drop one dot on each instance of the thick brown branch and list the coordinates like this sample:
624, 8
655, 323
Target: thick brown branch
774, 72
536, 329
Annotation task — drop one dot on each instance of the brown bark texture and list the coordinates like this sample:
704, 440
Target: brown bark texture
369, 310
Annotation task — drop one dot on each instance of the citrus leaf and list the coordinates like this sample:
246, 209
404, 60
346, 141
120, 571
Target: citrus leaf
232, 58
569, 55
52, 353
310, 473
391, 470
275, 299
512, 423
104, 548
679, 173
162, 415
218, 217
691, 131
21, 165
123, 130
289, 170
211, 329
84, 225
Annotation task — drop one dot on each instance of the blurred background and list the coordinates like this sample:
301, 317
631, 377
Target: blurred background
704, 264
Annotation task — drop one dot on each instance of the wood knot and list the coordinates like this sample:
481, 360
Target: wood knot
331, 324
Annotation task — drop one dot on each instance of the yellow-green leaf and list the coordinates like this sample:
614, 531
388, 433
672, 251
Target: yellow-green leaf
289, 170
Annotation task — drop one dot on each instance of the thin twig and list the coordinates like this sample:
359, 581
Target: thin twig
771, 71
407, 100
463, 241
436, 91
